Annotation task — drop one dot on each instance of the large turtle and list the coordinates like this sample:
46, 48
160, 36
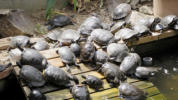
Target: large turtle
80, 92
112, 73
36, 95
40, 45
59, 21
117, 51
130, 63
131, 92
121, 11
101, 37
19, 41
32, 76
32, 57
125, 34
58, 76
67, 57
100, 57
87, 52
93, 82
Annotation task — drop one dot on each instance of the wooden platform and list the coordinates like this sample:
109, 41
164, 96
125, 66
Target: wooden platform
56, 93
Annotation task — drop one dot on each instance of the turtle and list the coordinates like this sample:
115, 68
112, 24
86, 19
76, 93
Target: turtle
32, 76
67, 57
59, 77
15, 54
3, 67
125, 34
75, 47
40, 45
168, 21
59, 21
142, 30
147, 61
121, 11
112, 73
117, 26
101, 37
21, 41
117, 52
80, 92
130, 63
52, 36
32, 57
93, 82
145, 72
92, 22
36, 95
175, 26
87, 52
131, 92
100, 57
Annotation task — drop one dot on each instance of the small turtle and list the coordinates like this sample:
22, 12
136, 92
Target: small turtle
142, 30
32, 57
117, 51
92, 22
131, 92
15, 55
59, 21
80, 92
93, 82
130, 63
75, 48
121, 11
112, 73
36, 95
32, 76
21, 41
40, 45
100, 57
53, 35
117, 26
3, 67
102, 37
175, 26
59, 77
168, 21
68, 57
125, 34
145, 72
87, 52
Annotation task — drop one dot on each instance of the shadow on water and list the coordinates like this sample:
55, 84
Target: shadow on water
167, 83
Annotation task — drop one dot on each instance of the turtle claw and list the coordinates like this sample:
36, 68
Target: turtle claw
68, 68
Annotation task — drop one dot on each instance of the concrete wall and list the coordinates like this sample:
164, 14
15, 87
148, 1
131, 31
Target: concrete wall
28, 5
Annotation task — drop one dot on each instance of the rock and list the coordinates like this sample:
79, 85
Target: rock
146, 10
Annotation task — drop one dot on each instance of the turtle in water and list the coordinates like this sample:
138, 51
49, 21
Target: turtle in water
32, 57
19, 41
80, 92
141, 29
121, 11
32, 76
40, 45
59, 21
130, 63
112, 73
36, 95
93, 82
100, 57
3, 67
67, 57
117, 52
101, 37
125, 34
58, 76
87, 52
75, 48
168, 21
130, 92
146, 72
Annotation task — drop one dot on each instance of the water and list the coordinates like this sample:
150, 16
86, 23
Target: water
167, 83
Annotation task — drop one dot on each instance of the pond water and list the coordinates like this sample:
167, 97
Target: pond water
167, 83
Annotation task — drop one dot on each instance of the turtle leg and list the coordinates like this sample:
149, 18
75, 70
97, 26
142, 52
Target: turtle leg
51, 27
19, 64
68, 68
77, 65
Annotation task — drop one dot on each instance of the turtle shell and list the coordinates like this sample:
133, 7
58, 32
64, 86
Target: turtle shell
117, 51
168, 20
41, 45
32, 76
141, 29
101, 57
117, 26
130, 63
121, 11
37, 95
20, 40
66, 55
101, 36
53, 35
125, 34
75, 48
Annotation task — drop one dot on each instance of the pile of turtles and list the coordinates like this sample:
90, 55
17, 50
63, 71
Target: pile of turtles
114, 60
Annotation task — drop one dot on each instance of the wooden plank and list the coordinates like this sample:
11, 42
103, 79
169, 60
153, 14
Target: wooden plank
4, 43
157, 97
167, 34
49, 54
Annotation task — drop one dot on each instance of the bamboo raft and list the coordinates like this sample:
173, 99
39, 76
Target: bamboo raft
108, 93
